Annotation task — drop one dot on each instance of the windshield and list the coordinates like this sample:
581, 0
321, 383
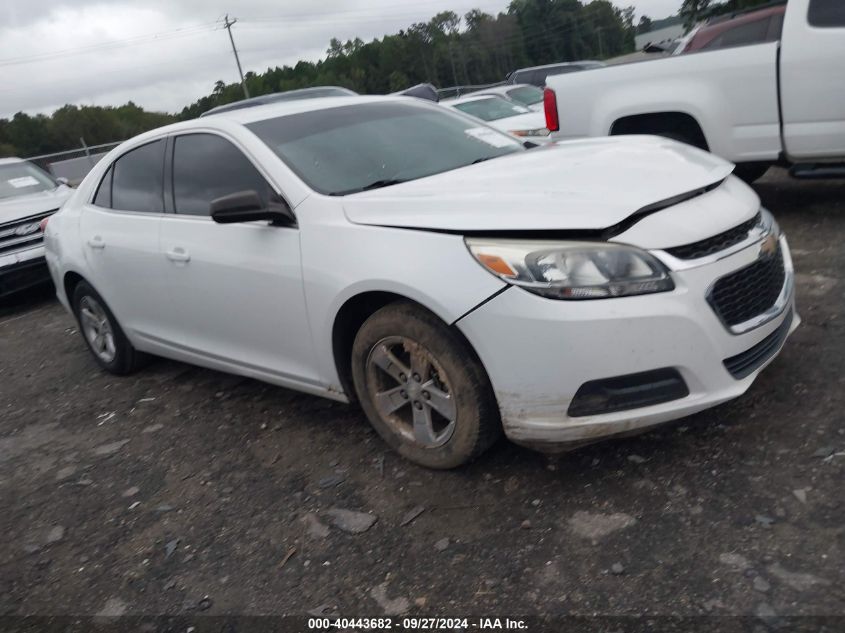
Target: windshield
491, 109
526, 95
352, 148
20, 179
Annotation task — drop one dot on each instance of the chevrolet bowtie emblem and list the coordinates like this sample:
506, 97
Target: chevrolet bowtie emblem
768, 246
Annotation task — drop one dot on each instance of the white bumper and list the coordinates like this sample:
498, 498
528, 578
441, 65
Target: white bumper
538, 352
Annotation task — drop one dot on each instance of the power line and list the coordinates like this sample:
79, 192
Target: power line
131, 41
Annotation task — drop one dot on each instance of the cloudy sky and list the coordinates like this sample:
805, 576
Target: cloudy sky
164, 54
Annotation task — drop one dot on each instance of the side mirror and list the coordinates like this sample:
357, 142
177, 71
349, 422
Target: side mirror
246, 206
63, 181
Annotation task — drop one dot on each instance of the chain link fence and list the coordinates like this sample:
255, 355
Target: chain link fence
73, 164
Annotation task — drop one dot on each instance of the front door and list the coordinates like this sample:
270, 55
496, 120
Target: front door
811, 80
235, 299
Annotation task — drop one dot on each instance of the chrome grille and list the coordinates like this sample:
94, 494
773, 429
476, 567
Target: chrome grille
750, 291
717, 243
18, 234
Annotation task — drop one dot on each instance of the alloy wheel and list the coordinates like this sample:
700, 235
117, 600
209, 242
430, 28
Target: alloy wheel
411, 391
97, 329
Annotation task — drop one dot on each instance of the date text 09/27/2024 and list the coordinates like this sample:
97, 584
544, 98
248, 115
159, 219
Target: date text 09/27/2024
421, 624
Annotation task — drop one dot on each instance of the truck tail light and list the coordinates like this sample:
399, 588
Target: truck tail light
550, 108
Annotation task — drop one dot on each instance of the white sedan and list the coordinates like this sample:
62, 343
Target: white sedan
457, 285
504, 115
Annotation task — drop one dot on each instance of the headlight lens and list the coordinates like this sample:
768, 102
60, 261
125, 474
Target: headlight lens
572, 270
540, 131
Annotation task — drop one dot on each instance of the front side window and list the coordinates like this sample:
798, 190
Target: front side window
138, 179
23, 178
526, 95
347, 149
491, 109
826, 13
206, 167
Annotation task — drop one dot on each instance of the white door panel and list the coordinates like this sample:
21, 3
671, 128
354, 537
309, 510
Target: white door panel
235, 296
812, 69
122, 252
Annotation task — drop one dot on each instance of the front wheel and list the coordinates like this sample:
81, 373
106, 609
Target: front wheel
422, 388
102, 333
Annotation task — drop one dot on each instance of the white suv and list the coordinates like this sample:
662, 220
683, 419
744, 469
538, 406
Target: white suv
27, 196
403, 254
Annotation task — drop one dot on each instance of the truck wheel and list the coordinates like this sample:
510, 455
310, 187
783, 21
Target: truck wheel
102, 333
422, 388
749, 172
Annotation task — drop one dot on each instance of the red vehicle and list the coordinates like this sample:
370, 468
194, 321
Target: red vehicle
752, 27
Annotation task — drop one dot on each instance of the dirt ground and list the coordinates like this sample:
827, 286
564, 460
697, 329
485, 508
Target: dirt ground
180, 490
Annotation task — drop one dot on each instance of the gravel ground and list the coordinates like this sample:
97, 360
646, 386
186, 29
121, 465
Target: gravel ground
180, 490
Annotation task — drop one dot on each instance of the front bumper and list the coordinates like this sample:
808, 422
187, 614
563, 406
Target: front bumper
538, 352
22, 270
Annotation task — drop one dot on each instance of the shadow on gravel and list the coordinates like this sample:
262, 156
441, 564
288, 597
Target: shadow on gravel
785, 195
27, 300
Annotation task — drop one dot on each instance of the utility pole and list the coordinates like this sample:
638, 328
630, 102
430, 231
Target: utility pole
227, 23
452, 59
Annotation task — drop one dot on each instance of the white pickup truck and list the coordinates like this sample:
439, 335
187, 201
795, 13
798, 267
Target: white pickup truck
758, 105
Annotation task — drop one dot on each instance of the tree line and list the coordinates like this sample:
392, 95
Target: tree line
447, 50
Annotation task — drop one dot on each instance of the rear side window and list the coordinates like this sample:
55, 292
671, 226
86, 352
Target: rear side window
103, 197
138, 179
742, 35
206, 167
826, 13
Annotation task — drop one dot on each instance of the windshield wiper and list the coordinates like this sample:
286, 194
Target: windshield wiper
378, 184
481, 160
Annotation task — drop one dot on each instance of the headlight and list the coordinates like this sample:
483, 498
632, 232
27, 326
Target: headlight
572, 270
540, 131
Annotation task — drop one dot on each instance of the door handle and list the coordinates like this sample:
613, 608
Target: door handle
178, 254
97, 242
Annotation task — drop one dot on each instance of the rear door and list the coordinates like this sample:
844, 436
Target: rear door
235, 298
120, 232
811, 78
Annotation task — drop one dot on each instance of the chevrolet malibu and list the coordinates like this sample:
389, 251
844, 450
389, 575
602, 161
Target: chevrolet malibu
405, 256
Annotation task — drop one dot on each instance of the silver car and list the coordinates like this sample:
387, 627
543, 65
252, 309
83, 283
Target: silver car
28, 194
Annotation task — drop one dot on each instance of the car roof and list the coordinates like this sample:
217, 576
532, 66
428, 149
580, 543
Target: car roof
274, 97
499, 90
11, 160
472, 97
559, 64
244, 116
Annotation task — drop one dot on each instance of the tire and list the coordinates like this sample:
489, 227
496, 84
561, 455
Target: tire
749, 172
117, 357
408, 366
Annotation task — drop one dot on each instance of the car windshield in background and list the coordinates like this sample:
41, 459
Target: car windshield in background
353, 148
526, 95
491, 109
20, 179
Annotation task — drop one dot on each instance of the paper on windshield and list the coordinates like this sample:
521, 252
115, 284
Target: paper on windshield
23, 181
491, 137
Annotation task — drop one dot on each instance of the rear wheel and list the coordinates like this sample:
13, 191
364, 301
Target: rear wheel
422, 388
102, 333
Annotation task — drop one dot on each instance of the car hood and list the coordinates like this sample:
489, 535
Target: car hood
21, 207
573, 185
